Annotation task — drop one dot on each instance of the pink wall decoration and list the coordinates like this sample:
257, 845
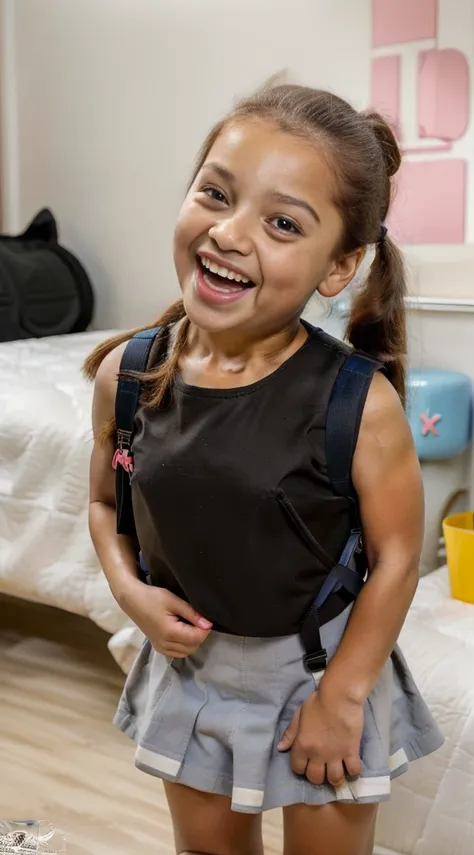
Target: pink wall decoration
430, 202
395, 21
443, 94
386, 88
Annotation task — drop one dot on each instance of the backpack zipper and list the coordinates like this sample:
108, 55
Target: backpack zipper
311, 541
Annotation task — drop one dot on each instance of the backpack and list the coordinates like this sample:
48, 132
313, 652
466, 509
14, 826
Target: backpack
344, 415
44, 290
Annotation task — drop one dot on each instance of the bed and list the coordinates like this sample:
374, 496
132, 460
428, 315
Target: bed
46, 556
432, 807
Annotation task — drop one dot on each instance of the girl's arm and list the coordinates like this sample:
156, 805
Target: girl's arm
386, 475
156, 611
325, 733
117, 553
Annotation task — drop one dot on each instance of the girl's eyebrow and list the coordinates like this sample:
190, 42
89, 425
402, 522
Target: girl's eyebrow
283, 198
299, 203
221, 170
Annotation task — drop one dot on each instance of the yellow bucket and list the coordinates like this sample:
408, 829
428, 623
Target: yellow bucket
459, 538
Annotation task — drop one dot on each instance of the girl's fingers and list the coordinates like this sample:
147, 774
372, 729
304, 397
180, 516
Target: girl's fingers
316, 772
182, 634
335, 774
176, 652
291, 732
181, 608
353, 765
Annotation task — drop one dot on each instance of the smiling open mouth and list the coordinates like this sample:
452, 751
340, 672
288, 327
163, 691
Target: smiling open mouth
221, 279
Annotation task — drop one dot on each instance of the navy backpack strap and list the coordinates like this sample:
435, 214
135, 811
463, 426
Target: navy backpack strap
344, 416
134, 359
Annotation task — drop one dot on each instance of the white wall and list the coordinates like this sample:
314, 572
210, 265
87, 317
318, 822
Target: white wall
105, 103
115, 96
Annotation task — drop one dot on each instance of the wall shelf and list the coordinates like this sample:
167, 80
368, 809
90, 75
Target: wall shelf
439, 304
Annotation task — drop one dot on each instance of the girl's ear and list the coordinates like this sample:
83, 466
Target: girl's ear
341, 273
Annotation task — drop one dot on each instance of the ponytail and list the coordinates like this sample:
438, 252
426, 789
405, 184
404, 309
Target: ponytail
377, 322
158, 382
91, 366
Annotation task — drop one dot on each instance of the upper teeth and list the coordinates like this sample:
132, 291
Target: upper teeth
222, 271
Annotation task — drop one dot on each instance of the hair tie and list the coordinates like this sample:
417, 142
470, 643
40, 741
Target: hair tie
382, 234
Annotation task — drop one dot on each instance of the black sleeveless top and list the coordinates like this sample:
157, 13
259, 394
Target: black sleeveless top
230, 490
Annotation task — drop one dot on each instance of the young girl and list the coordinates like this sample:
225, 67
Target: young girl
289, 191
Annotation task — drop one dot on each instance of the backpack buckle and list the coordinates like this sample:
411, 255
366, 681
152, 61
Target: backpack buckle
123, 439
315, 662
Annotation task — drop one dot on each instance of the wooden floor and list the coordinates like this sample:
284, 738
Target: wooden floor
61, 760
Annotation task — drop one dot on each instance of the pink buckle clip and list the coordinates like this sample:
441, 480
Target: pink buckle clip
123, 459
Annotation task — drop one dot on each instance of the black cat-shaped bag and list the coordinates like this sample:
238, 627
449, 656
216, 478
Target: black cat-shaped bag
44, 290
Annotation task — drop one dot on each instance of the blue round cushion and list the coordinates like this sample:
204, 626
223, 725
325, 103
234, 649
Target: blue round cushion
439, 409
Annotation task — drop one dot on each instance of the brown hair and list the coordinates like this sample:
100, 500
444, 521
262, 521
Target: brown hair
160, 380
364, 156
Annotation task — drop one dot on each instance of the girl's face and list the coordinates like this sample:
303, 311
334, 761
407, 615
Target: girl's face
257, 232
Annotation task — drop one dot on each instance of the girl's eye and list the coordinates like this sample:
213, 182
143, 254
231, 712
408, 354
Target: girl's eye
283, 224
214, 193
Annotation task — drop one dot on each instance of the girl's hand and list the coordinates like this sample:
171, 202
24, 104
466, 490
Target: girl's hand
159, 614
324, 737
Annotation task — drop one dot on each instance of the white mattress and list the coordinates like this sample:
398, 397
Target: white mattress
45, 442
432, 807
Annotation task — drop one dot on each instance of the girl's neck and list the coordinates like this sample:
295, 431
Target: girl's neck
235, 348
227, 361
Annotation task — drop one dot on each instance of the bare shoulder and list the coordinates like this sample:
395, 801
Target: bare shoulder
108, 371
385, 441
105, 387
383, 421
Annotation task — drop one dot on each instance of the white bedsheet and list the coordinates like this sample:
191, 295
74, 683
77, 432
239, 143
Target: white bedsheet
432, 807
45, 442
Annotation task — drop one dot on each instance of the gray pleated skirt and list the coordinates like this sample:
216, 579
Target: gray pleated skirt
213, 721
